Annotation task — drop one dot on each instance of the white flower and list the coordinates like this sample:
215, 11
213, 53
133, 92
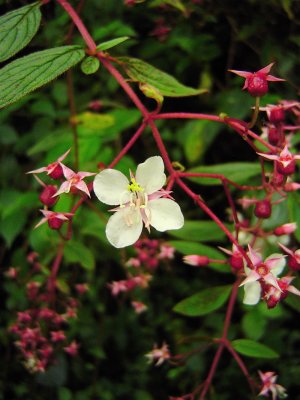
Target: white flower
140, 200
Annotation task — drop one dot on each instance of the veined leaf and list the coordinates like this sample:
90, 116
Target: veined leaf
168, 86
28, 73
204, 302
111, 43
17, 28
251, 348
238, 172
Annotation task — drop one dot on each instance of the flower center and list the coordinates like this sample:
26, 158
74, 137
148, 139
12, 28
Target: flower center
262, 270
134, 186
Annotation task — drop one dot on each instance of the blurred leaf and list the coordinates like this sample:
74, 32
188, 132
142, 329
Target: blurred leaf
202, 231
28, 73
254, 324
238, 172
43, 240
173, 3
251, 348
90, 123
8, 135
143, 72
204, 302
90, 65
77, 252
111, 43
151, 92
17, 28
198, 135
294, 211
11, 226
55, 375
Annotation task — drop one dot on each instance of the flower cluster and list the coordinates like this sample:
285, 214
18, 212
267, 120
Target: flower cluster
262, 281
70, 182
40, 329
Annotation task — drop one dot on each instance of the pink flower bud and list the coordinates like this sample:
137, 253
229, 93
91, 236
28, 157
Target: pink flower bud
273, 135
57, 336
278, 179
46, 197
57, 172
285, 229
55, 223
236, 261
289, 169
257, 85
196, 261
263, 209
277, 115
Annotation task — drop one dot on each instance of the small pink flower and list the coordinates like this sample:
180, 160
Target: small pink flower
54, 170
58, 336
166, 251
72, 349
138, 306
54, 219
270, 387
74, 181
159, 354
257, 82
196, 261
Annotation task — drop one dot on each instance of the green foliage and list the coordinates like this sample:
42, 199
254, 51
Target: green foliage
251, 348
28, 73
109, 44
204, 302
142, 72
17, 28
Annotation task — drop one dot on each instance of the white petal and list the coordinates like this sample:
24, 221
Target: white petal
276, 266
252, 293
119, 232
111, 187
165, 214
150, 174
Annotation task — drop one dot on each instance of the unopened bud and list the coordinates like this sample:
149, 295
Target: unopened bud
263, 209
55, 223
257, 85
236, 261
57, 173
196, 261
273, 136
46, 197
285, 229
277, 115
289, 169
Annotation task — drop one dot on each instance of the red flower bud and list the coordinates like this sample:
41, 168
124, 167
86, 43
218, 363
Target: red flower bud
257, 85
263, 209
273, 136
286, 170
277, 115
46, 197
55, 223
57, 173
236, 261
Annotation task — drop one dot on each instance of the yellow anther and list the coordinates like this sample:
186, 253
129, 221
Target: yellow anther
134, 186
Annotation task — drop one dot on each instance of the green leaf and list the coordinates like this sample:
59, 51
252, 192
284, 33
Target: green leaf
254, 324
11, 227
140, 71
90, 123
251, 348
111, 43
294, 211
199, 231
238, 172
204, 302
17, 28
90, 65
28, 73
76, 252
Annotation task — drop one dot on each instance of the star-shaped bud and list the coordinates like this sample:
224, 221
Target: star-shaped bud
270, 387
74, 181
54, 219
293, 257
54, 170
257, 82
159, 354
285, 161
